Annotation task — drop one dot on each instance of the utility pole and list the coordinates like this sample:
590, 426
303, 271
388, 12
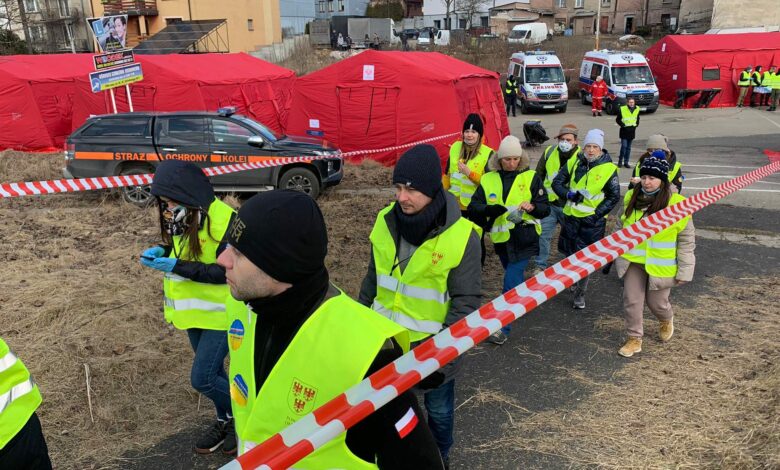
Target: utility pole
598, 24
25, 26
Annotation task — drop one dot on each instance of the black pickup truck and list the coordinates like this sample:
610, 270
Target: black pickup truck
134, 143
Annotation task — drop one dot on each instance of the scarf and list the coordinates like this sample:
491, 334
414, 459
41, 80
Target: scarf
415, 228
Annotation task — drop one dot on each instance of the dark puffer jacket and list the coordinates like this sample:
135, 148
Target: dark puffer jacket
579, 232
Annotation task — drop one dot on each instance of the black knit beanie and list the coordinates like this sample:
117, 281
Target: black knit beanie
474, 122
419, 168
656, 167
283, 233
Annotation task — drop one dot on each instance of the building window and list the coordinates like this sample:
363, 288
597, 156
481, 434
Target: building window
64, 8
172, 20
250, 25
437, 24
330, 6
579, 3
341, 5
321, 5
66, 34
30, 6
463, 23
561, 3
710, 73
605, 3
483, 20
37, 33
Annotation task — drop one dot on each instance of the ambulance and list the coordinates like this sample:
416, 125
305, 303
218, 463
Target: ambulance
627, 75
540, 80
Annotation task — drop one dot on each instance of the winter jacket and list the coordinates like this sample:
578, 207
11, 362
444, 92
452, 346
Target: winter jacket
464, 284
678, 178
577, 233
686, 260
523, 241
626, 132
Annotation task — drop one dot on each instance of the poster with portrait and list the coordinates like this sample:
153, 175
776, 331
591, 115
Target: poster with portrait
110, 32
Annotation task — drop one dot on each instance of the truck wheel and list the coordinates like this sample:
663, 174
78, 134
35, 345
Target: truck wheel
584, 98
300, 179
562, 109
523, 107
609, 108
140, 196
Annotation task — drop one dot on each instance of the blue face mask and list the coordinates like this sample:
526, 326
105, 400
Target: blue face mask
646, 193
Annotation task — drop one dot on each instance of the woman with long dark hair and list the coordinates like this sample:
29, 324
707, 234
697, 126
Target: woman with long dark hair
665, 260
468, 162
193, 223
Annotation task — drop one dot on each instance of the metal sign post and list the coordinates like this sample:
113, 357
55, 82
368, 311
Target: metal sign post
129, 98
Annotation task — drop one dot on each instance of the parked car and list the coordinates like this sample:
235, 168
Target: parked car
411, 33
134, 143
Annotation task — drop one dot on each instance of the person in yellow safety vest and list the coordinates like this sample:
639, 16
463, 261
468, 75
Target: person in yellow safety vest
297, 341
425, 272
774, 84
755, 79
764, 91
467, 161
553, 158
192, 224
591, 190
22, 445
658, 146
512, 197
628, 120
656, 265
744, 84
510, 95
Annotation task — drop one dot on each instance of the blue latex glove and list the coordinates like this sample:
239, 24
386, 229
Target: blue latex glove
575, 196
153, 252
161, 264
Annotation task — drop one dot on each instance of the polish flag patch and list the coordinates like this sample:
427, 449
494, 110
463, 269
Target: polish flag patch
406, 424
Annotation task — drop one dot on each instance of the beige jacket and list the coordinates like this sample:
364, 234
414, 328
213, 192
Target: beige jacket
686, 260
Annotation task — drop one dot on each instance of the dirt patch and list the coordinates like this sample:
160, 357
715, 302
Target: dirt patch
709, 398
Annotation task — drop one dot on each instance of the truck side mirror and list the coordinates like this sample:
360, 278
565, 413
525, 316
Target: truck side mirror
567, 78
256, 141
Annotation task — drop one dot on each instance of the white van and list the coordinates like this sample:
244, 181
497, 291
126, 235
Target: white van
627, 75
529, 33
541, 81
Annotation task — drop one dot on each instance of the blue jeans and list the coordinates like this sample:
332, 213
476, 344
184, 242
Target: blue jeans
514, 275
440, 405
548, 228
625, 151
208, 374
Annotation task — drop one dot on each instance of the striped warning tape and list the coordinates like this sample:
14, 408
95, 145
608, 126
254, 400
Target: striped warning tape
331, 419
32, 188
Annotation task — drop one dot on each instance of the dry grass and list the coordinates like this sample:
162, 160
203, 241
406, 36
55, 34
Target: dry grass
710, 398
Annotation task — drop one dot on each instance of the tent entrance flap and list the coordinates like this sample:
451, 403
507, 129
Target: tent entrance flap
188, 37
367, 115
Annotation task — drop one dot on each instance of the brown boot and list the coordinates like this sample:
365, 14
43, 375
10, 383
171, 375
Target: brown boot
632, 346
666, 330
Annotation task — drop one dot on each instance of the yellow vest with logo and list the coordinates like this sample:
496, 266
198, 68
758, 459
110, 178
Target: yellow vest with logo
331, 352
19, 395
744, 79
672, 173
591, 186
628, 117
659, 252
417, 299
460, 185
552, 165
518, 193
190, 304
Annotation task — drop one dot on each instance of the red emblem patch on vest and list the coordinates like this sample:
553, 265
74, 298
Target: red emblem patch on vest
301, 397
436, 257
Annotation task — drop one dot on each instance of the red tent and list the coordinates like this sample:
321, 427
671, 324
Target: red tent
44, 98
36, 99
709, 61
381, 99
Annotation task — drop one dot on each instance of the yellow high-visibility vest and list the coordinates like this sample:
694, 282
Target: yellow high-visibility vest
19, 395
591, 187
520, 192
552, 165
460, 185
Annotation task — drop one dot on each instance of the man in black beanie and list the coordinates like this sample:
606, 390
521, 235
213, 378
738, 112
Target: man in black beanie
425, 271
296, 341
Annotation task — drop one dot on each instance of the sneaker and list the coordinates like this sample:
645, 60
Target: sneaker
626, 166
211, 439
230, 446
632, 346
498, 338
666, 331
579, 300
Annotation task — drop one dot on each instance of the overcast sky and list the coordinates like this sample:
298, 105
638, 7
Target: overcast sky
436, 7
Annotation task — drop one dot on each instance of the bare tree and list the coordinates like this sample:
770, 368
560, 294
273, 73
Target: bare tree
448, 4
469, 8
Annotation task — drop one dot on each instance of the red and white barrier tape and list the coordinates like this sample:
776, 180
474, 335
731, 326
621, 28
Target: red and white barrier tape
331, 419
32, 188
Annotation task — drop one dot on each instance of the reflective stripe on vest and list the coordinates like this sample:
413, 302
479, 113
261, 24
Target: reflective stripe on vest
628, 117
19, 395
590, 186
659, 253
418, 297
744, 79
190, 304
519, 192
510, 87
460, 185
311, 371
552, 166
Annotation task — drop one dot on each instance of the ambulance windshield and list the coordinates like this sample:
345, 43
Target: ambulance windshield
631, 74
552, 74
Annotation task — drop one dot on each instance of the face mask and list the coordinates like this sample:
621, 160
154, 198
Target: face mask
650, 193
565, 146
